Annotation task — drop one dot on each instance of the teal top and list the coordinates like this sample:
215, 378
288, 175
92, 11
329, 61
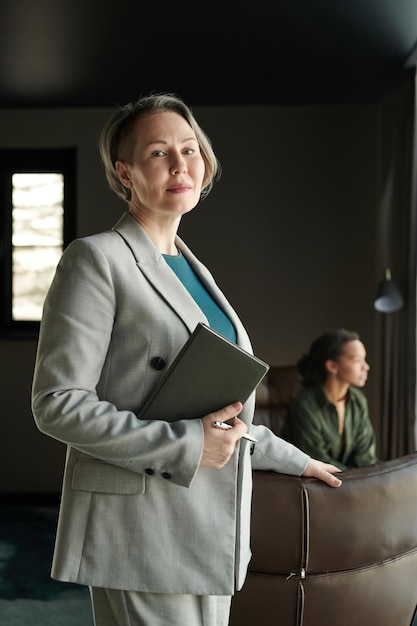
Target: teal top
312, 424
217, 319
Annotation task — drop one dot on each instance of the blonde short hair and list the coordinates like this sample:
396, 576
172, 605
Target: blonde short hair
117, 143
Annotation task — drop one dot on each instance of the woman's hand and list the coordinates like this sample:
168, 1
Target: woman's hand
323, 471
219, 444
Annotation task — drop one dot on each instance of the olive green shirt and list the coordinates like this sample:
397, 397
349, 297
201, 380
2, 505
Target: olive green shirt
312, 425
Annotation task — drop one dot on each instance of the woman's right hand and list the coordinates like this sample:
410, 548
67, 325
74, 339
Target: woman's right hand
219, 444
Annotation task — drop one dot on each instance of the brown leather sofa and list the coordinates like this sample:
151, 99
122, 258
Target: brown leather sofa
274, 394
331, 557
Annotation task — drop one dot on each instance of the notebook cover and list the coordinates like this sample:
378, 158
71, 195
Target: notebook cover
208, 373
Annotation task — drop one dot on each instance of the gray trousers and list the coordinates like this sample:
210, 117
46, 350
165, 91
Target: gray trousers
112, 607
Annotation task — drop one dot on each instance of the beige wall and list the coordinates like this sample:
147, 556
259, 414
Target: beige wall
289, 233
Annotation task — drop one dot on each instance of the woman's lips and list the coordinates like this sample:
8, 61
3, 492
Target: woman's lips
179, 188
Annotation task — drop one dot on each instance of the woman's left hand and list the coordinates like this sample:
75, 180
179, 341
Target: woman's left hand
323, 471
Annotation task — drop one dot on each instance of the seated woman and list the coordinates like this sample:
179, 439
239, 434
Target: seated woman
329, 417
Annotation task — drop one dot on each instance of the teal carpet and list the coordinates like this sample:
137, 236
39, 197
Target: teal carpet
28, 596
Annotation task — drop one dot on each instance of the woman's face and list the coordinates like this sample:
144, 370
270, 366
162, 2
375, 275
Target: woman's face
166, 171
351, 366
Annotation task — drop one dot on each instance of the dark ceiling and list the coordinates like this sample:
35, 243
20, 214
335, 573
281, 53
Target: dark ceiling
98, 52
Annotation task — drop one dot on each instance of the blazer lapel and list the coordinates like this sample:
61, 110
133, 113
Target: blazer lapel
153, 266
208, 281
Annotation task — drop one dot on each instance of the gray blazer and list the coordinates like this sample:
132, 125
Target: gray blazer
137, 513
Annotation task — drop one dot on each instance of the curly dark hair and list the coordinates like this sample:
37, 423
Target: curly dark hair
311, 366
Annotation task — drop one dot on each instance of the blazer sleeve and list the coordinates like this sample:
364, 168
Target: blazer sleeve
273, 453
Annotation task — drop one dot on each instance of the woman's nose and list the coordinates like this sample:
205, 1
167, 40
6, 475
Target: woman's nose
178, 165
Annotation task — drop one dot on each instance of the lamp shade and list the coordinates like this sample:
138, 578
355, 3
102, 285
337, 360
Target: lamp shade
388, 298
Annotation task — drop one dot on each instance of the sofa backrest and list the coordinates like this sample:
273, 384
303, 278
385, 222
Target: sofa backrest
325, 557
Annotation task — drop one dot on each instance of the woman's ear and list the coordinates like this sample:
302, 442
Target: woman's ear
331, 366
122, 172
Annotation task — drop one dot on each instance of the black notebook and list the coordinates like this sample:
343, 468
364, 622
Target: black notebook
208, 373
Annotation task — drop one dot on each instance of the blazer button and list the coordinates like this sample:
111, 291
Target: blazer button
157, 363
149, 471
166, 475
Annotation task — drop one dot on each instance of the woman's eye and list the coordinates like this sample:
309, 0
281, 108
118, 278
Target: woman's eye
189, 151
158, 153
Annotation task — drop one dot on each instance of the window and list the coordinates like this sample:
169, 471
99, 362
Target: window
37, 194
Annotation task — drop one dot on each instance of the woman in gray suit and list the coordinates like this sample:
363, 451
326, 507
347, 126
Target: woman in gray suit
155, 515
